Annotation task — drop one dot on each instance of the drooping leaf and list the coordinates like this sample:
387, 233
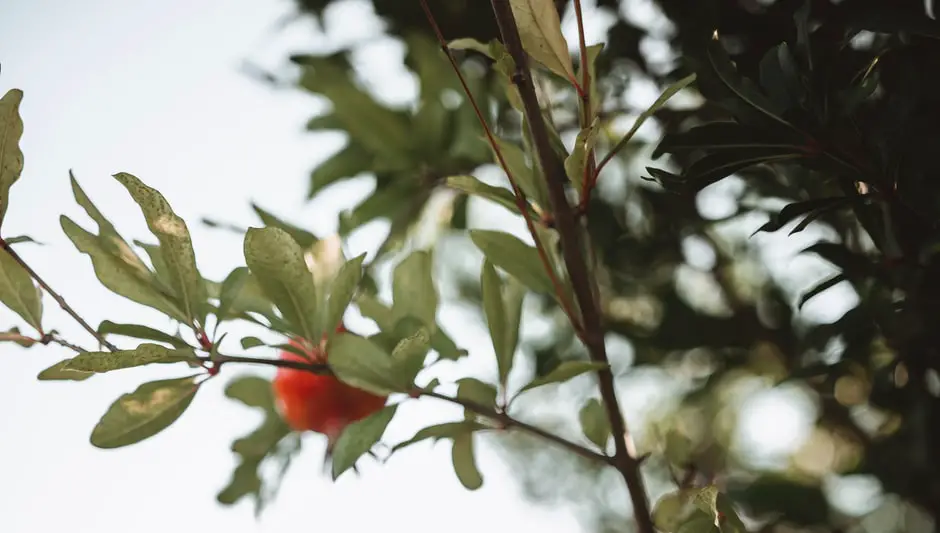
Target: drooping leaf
721, 135
176, 246
61, 372
363, 364
413, 290
540, 30
145, 354
796, 209
494, 310
358, 438
563, 372
472, 186
820, 288
515, 257
342, 291
11, 157
465, 465
117, 275
277, 262
594, 423
18, 292
448, 430
139, 415
140, 332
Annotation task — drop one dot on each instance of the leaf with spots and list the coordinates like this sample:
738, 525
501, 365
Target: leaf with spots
11, 157
145, 354
358, 438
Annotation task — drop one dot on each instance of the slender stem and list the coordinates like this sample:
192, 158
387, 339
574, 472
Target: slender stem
518, 195
569, 231
587, 113
56, 296
497, 416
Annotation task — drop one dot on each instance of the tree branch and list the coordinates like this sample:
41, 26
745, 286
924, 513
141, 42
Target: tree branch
56, 296
569, 231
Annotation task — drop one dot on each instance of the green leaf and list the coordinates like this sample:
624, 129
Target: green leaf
404, 327
505, 68
231, 289
18, 292
658, 104
476, 391
698, 523
576, 162
853, 265
742, 88
20, 239
161, 278
714, 167
448, 430
470, 44
726, 136
522, 173
564, 372
11, 157
13, 335
277, 262
670, 511
791, 211
117, 275
176, 246
303, 237
513, 297
821, 287
139, 415
503, 322
515, 257
472, 186
251, 342
409, 355
145, 354
342, 291
358, 438
413, 290
780, 78
363, 364
348, 162
465, 465
140, 332
61, 372
540, 30
593, 51
594, 423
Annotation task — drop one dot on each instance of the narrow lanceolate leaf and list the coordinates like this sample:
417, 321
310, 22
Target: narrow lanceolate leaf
742, 88
513, 297
140, 332
363, 364
726, 135
409, 355
529, 181
576, 162
61, 372
145, 412
358, 438
18, 293
515, 257
813, 209
448, 430
540, 30
231, 288
11, 157
590, 61
564, 372
658, 104
342, 290
277, 261
820, 288
145, 354
494, 309
470, 44
413, 290
472, 186
465, 465
594, 423
117, 275
176, 246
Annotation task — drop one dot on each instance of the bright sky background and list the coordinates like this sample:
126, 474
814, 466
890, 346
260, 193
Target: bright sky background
153, 88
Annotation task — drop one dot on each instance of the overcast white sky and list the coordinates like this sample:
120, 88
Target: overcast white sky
153, 88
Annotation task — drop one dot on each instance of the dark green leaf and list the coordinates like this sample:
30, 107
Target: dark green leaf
18, 292
780, 78
821, 287
145, 354
145, 412
476, 391
251, 342
594, 423
790, 212
230, 291
887, 19
726, 136
494, 308
853, 265
11, 157
742, 88
348, 162
714, 167
563, 372
140, 332
20, 239
465, 465
358, 438
515, 257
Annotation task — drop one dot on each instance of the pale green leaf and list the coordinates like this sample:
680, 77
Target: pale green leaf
593, 51
515, 257
358, 438
577, 162
465, 465
409, 355
564, 372
145, 412
176, 246
472, 186
470, 44
11, 157
413, 290
521, 171
145, 354
540, 30
18, 292
277, 262
231, 289
513, 296
61, 372
494, 310
342, 290
303, 237
476, 391
448, 430
594, 423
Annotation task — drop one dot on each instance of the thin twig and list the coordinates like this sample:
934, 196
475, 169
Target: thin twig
519, 196
587, 113
56, 296
569, 232
501, 418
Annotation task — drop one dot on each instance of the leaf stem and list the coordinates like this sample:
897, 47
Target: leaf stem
519, 196
569, 231
587, 113
56, 296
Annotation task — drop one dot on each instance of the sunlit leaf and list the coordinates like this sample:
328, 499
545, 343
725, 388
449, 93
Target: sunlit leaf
145, 412
540, 30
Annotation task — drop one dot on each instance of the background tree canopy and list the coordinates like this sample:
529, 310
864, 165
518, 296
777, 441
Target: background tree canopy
819, 136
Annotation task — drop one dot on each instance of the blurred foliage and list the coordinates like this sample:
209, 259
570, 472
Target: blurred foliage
826, 108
